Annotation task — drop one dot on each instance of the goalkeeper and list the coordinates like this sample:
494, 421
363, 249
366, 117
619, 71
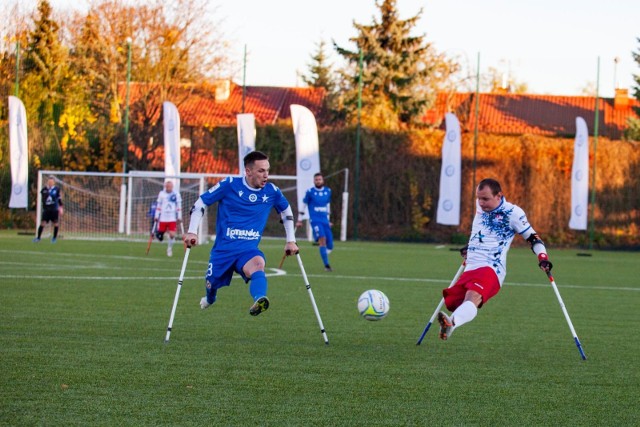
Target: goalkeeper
168, 214
244, 205
51, 208
495, 224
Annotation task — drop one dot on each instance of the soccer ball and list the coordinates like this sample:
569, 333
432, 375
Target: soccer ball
373, 305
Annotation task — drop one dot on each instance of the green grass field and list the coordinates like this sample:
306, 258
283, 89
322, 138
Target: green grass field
82, 325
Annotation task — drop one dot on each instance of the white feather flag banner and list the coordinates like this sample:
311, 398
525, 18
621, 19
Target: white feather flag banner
246, 138
19, 148
449, 201
580, 177
171, 142
305, 132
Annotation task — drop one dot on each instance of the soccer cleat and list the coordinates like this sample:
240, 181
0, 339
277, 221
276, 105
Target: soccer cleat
169, 252
204, 303
328, 268
36, 239
259, 306
54, 240
446, 325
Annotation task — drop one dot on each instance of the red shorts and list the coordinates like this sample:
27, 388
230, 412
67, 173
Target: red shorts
483, 280
166, 226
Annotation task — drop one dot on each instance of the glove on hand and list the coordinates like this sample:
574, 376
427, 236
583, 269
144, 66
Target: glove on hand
544, 263
463, 251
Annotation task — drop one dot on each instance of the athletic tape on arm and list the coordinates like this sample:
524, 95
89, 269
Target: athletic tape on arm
197, 212
287, 220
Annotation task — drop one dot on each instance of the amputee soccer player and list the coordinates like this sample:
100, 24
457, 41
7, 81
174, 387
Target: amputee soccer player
168, 214
495, 224
317, 200
51, 208
244, 205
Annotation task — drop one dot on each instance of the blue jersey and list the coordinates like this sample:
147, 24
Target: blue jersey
242, 212
318, 201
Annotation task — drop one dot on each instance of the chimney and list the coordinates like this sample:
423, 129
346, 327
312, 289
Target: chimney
621, 99
223, 90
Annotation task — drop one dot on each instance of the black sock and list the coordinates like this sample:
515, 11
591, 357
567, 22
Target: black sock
55, 232
40, 231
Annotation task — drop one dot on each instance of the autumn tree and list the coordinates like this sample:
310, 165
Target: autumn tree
401, 72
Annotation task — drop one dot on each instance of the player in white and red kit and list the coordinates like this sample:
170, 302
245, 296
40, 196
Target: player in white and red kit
168, 214
495, 224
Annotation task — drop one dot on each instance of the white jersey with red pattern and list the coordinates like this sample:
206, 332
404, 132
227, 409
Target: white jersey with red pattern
169, 207
492, 234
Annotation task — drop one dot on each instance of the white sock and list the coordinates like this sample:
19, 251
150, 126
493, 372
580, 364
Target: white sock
463, 314
171, 241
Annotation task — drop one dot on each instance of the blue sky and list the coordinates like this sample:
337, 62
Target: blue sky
551, 45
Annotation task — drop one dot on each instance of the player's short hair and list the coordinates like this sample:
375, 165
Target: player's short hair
492, 184
251, 158
318, 174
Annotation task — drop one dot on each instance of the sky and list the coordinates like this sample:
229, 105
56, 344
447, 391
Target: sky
552, 46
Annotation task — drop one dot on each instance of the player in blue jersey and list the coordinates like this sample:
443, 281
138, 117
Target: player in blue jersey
317, 200
244, 205
51, 208
494, 226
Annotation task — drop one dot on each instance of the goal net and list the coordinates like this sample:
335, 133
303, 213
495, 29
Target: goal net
115, 206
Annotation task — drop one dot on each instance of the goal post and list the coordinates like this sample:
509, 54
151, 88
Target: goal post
117, 206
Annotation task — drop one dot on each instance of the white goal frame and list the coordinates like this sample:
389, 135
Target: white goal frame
128, 207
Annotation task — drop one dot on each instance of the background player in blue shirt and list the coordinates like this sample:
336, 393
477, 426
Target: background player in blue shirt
51, 208
318, 200
244, 205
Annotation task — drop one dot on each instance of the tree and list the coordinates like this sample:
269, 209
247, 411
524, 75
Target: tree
321, 75
45, 69
320, 71
401, 72
633, 130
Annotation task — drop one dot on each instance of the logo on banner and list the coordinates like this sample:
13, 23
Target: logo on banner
451, 135
450, 170
171, 124
17, 189
447, 205
578, 210
305, 164
579, 175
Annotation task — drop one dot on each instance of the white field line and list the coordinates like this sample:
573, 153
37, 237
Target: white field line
67, 261
273, 272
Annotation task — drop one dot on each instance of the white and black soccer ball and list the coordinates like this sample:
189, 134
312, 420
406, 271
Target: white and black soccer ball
373, 304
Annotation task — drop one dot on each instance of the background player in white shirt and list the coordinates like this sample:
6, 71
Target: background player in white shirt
495, 224
244, 205
168, 214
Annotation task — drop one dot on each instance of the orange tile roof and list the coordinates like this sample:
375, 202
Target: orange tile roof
498, 113
198, 105
202, 161
533, 114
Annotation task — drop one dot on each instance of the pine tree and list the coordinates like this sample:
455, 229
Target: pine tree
400, 71
320, 72
45, 70
633, 124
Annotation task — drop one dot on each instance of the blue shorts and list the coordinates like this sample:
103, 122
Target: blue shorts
322, 229
222, 265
